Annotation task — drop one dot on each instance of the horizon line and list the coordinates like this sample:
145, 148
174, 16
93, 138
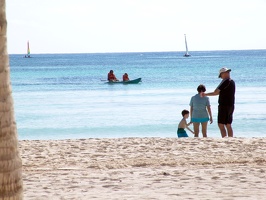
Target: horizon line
135, 52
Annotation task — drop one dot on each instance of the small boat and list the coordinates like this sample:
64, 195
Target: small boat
134, 81
186, 54
28, 50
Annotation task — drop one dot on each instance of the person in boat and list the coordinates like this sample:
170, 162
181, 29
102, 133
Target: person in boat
125, 77
111, 76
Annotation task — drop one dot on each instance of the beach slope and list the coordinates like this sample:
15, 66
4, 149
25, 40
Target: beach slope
144, 168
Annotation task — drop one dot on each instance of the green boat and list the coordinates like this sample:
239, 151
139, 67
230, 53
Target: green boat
134, 81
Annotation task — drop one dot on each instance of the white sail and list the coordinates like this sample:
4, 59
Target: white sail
28, 50
187, 54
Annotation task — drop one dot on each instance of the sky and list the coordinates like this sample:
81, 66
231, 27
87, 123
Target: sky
100, 26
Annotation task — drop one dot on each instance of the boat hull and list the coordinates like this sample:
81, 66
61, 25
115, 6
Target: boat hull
134, 81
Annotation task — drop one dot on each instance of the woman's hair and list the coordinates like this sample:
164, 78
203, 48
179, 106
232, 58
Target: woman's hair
184, 112
201, 88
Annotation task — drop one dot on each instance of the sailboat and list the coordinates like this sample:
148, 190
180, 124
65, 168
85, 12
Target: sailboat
28, 50
186, 54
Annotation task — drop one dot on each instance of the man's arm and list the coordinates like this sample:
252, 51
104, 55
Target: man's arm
216, 92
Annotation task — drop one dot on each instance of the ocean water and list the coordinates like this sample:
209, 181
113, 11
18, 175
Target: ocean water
62, 96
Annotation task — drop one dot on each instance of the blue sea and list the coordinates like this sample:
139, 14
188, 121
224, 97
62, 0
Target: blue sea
65, 96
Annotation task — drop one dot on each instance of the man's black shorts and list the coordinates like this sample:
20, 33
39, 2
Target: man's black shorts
225, 114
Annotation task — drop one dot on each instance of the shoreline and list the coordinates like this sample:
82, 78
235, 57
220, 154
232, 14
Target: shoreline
144, 168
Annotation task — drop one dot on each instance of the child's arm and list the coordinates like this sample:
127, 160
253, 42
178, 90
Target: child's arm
189, 128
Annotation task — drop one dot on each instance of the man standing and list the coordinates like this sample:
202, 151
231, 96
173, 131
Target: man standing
226, 92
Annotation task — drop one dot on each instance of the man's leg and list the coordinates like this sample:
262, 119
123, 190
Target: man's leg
222, 130
229, 122
229, 130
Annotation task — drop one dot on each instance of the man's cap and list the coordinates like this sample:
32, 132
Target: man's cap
222, 70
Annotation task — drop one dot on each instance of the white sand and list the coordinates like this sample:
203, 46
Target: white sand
145, 168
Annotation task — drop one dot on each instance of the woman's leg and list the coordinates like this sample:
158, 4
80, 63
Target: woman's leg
196, 128
204, 128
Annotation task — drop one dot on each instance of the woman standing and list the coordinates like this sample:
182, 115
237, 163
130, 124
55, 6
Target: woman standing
200, 110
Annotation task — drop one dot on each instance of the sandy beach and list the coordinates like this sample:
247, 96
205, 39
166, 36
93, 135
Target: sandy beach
144, 168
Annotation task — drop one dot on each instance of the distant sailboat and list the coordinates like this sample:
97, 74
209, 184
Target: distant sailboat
28, 50
187, 54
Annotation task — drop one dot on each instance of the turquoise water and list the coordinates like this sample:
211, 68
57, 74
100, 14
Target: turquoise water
60, 96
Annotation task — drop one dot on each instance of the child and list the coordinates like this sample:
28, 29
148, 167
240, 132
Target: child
183, 124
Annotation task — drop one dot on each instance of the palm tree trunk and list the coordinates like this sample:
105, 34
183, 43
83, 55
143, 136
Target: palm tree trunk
10, 161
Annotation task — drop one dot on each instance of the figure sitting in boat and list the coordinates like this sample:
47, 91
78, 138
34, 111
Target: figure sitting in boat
111, 76
125, 77
113, 80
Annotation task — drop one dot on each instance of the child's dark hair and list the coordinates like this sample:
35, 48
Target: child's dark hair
201, 88
184, 112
